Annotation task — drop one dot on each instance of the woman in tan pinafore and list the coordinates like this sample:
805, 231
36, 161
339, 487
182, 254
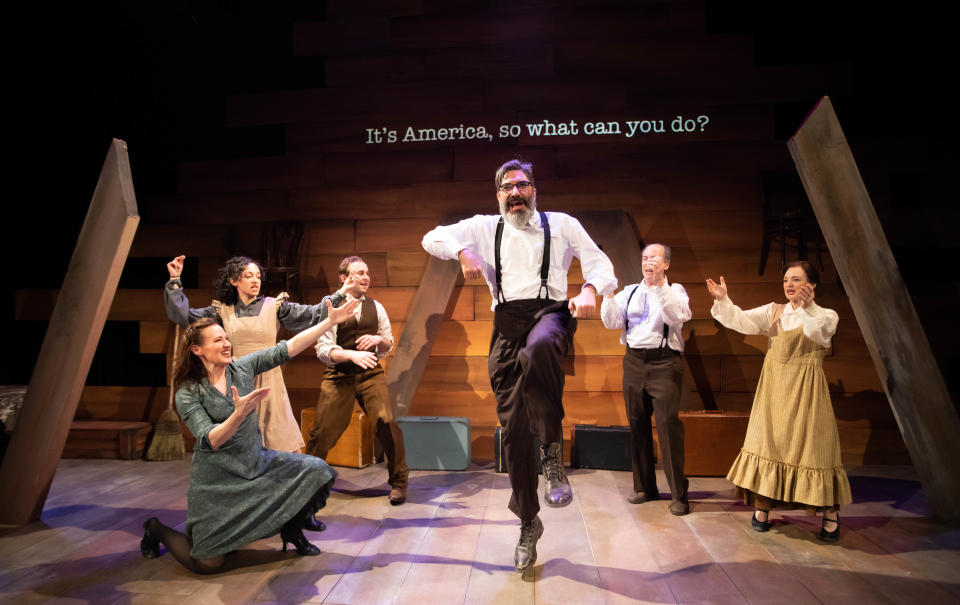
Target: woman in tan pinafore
278, 426
250, 321
791, 453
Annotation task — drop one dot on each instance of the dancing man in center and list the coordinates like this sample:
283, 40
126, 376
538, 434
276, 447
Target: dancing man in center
524, 255
352, 352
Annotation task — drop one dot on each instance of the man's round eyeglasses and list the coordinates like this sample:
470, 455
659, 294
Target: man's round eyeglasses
522, 186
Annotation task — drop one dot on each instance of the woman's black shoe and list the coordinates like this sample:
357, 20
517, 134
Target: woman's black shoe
313, 524
830, 536
149, 545
759, 525
299, 541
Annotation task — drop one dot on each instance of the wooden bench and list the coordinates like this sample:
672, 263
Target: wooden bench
106, 439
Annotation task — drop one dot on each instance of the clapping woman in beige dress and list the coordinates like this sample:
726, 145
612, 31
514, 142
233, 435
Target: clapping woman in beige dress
791, 453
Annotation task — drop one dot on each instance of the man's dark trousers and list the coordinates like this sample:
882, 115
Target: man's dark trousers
652, 380
530, 337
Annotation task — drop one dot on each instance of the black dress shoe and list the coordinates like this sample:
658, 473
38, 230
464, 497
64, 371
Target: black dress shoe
526, 553
313, 524
299, 541
759, 525
557, 491
149, 545
830, 536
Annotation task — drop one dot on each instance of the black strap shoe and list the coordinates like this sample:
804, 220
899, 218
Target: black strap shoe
759, 525
830, 536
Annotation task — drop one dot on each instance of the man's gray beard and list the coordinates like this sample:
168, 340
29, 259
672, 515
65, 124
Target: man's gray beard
518, 219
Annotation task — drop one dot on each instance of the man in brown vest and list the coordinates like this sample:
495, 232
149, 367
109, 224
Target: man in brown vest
351, 352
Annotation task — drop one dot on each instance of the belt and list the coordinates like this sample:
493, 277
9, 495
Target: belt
657, 353
348, 367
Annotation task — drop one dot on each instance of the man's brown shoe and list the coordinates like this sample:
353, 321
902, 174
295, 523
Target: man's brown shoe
641, 497
398, 496
525, 554
556, 487
679, 507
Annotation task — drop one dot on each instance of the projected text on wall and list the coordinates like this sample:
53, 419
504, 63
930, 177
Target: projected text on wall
544, 129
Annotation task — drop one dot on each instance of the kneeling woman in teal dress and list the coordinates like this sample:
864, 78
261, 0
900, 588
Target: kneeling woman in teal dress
239, 492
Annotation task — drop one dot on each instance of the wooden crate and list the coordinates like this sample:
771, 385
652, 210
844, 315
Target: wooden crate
354, 449
106, 439
711, 441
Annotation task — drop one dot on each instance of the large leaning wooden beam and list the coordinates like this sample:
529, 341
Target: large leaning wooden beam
420, 332
71, 340
882, 305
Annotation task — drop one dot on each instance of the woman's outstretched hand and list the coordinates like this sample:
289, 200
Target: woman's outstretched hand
348, 283
718, 291
343, 312
248, 403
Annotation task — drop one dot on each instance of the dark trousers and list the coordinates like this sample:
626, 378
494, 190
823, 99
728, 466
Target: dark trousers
335, 408
651, 385
529, 339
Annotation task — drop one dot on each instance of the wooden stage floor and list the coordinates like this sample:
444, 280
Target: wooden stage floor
453, 543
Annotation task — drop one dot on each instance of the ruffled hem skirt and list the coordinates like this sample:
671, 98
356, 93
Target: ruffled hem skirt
788, 485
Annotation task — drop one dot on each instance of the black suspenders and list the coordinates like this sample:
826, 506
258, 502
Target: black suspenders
544, 264
626, 319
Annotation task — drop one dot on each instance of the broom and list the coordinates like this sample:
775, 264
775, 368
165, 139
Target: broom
167, 441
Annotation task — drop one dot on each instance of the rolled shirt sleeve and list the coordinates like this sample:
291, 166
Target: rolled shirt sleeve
384, 330
612, 313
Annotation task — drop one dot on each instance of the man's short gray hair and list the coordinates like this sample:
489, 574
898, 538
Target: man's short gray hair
514, 164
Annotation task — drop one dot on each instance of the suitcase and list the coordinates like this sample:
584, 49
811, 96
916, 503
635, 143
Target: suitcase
354, 449
500, 461
712, 439
601, 447
436, 443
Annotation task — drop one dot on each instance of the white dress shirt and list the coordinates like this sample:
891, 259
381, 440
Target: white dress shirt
327, 342
521, 252
641, 325
819, 324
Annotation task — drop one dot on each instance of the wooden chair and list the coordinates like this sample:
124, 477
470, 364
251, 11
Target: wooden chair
789, 218
280, 255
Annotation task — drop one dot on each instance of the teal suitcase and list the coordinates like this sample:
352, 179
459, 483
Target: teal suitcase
436, 443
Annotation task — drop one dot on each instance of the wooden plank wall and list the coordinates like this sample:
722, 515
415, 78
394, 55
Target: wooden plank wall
432, 64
